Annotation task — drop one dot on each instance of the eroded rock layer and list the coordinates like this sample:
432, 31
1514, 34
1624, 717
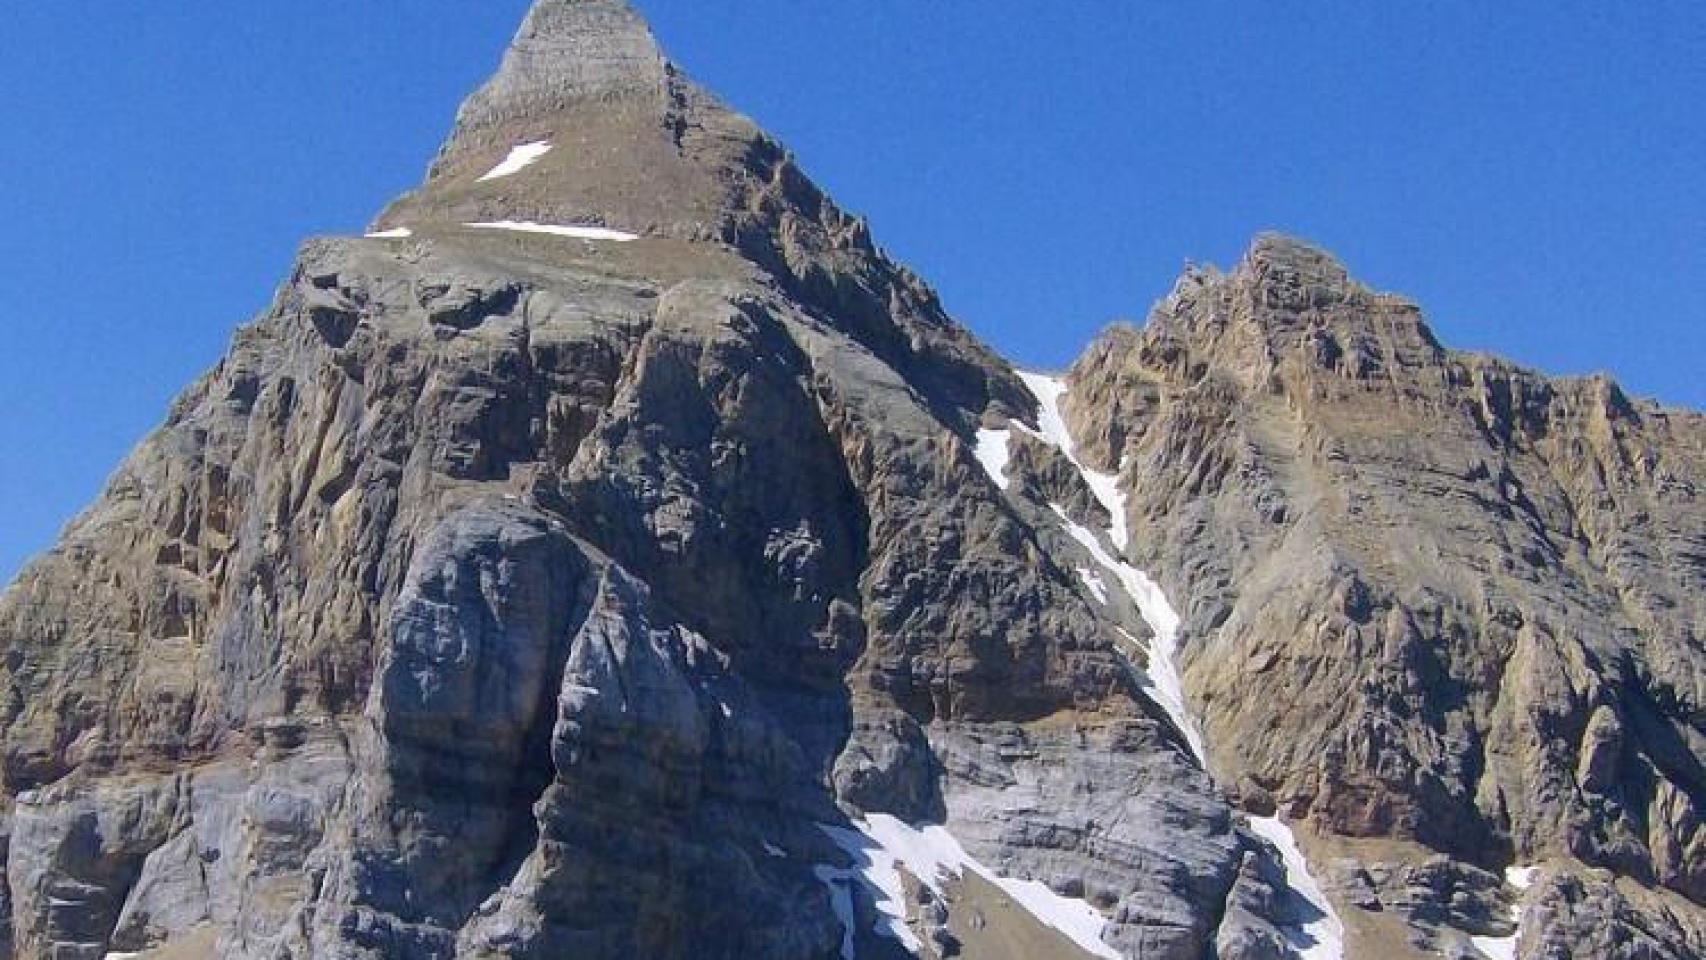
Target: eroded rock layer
1472, 597
616, 555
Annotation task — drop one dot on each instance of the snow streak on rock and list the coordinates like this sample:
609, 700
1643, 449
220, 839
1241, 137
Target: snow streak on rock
1504, 948
1322, 938
883, 846
1095, 584
1318, 939
992, 452
519, 159
582, 233
1052, 427
1165, 685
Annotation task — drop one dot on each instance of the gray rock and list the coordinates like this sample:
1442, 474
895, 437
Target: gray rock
507, 595
1455, 580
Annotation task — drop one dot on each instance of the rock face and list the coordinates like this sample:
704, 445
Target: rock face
1473, 598
514, 594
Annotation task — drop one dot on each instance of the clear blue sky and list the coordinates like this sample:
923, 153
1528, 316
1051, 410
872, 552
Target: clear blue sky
1533, 173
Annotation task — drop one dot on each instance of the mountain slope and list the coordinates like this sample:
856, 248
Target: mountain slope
615, 554
510, 593
1471, 595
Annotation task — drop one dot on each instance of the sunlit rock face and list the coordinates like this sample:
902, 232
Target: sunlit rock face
616, 555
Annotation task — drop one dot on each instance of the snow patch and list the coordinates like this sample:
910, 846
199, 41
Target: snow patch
1051, 424
1504, 948
1521, 877
519, 159
582, 233
1094, 583
395, 233
878, 871
881, 846
1080, 922
773, 849
1496, 948
1324, 937
992, 452
1165, 685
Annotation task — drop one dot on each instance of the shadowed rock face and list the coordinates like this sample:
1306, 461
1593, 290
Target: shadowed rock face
514, 595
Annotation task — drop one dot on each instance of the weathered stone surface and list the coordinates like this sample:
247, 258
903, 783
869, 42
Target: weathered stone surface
1590, 913
1258, 900
508, 595
1471, 595
1081, 806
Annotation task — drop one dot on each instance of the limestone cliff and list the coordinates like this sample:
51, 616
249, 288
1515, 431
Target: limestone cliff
615, 554
1472, 597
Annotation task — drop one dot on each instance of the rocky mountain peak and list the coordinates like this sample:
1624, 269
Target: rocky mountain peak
1277, 263
587, 124
568, 52
1288, 306
515, 590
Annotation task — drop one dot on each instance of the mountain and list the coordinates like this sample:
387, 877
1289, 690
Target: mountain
615, 554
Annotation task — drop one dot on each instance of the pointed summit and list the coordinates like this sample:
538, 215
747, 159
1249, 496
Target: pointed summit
612, 133
1284, 260
566, 52
1287, 305
587, 124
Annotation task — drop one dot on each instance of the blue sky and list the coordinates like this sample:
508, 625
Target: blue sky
1530, 172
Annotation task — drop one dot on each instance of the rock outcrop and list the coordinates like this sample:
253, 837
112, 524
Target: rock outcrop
1471, 596
579, 565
